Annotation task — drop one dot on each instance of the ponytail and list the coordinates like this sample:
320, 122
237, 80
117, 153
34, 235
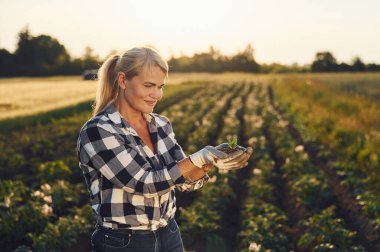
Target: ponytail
107, 87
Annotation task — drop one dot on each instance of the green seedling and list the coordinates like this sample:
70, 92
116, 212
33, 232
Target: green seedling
232, 142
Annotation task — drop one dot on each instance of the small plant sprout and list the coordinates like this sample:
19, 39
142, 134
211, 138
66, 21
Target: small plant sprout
232, 141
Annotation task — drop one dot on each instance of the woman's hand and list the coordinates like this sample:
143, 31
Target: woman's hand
240, 161
225, 161
207, 167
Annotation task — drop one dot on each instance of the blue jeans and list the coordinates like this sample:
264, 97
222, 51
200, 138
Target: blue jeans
164, 239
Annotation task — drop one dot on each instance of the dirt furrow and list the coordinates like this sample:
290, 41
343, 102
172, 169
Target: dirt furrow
283, 199
348, 207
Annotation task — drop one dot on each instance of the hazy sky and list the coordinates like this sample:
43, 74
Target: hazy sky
284, 31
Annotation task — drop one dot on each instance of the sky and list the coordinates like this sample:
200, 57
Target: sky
280, 31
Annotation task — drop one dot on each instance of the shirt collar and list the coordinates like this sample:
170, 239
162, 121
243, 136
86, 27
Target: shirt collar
119, 120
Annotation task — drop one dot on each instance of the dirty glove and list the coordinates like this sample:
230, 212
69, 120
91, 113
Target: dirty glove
212, 155
238, 162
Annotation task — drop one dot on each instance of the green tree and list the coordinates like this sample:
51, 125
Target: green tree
89, 59
324, 62
7, 64
41, 55
373, 67
344, 67
244, 61
358, 65
23, 54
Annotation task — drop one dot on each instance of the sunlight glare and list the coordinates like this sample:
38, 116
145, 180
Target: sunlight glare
170, 16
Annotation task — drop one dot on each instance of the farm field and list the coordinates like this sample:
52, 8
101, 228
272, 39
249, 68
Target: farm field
312, 184
28, 96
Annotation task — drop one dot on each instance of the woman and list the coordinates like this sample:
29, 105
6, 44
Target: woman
131, 160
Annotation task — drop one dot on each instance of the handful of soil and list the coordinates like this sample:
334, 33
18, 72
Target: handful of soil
231, 145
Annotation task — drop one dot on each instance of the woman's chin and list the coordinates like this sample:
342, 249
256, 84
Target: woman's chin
148, 110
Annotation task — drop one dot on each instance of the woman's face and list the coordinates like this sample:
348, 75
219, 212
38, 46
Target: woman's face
144, 90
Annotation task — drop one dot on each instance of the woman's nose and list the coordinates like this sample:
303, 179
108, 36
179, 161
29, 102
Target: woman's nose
156, 93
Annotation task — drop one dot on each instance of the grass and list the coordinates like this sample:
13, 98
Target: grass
18, 123
321, 95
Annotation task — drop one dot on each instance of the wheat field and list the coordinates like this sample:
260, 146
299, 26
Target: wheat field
26, 96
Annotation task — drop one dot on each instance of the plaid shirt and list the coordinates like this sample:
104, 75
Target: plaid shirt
130, 186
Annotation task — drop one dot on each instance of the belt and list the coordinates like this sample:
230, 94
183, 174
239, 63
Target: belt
127, 231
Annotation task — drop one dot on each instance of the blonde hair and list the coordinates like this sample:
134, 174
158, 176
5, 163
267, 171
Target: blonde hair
132, 63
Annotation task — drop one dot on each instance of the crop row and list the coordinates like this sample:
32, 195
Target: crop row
202, 222
209, 125
348, 158
262, 221
265, 221
347, 125
186, 116
314, 224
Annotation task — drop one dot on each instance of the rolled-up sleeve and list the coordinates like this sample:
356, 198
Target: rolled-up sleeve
190, 185
178, 154
122, 164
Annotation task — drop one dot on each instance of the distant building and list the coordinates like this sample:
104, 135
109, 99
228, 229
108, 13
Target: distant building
90, 74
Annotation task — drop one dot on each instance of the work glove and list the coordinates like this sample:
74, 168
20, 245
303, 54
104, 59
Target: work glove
237, 162
233, 160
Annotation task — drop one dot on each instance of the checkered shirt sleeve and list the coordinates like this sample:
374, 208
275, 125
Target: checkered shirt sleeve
188, 185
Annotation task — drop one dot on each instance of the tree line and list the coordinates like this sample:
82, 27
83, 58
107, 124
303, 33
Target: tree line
44, 55
326, 62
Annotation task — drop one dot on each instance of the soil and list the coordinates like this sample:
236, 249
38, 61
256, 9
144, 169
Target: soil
228, 150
